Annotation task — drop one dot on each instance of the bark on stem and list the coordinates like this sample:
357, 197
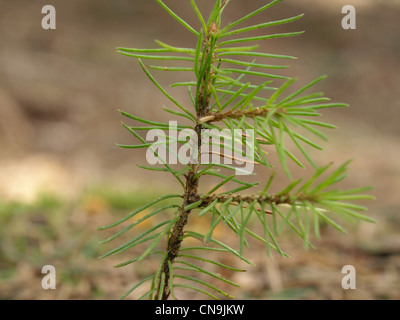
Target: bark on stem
191, 194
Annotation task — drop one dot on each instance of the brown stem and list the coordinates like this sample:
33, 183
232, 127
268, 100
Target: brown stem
175, 238
191, 194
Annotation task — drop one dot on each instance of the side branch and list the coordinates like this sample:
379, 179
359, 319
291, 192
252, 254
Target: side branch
261, 199
236, 114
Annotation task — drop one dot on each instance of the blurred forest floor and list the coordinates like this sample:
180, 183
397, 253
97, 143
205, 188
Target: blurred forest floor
62, 175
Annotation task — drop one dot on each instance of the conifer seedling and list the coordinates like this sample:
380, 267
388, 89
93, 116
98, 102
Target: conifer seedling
233, 88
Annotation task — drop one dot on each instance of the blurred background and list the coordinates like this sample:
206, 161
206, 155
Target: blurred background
62, 175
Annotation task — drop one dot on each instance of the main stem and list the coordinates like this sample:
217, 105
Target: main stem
191, 194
